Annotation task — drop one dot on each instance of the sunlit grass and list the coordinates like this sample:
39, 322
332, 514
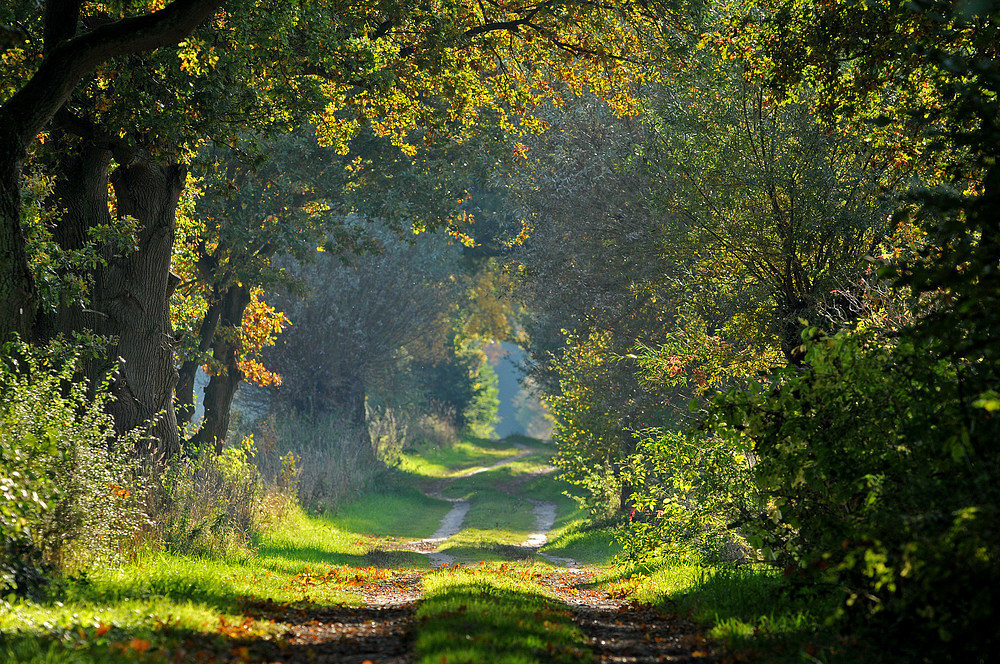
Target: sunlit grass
492, 614
401, 512
148, 609
303, 541
496, 522
163, 600
586, 545
752, 611
451, 460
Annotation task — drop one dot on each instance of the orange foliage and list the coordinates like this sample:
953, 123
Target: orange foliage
260, 327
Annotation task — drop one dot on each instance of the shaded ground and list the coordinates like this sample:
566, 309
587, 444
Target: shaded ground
380, 633
619, 631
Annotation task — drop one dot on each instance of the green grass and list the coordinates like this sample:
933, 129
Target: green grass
490, 614
164, 601
304, 541
496, 523
401, 512
577, 540
753, 612
163, 606
448, 461
147, 610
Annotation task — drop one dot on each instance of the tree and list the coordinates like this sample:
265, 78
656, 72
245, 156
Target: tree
877, 458
356, 319
68, 58
408, 72
771, 210
588, 277
249, 211
930, 65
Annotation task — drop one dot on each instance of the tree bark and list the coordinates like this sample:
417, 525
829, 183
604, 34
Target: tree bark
18, 295
225, 379
80, 193
133, 294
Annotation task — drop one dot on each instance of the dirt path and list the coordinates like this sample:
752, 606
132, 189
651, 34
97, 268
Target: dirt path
451, 523
616, 630
382, 630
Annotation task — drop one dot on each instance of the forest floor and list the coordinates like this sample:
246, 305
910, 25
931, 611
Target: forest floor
470, 553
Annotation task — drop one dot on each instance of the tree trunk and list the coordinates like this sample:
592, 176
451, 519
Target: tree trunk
80, 193
625, 497
18, 298
351, 401
133, 293
226, 378
189, 369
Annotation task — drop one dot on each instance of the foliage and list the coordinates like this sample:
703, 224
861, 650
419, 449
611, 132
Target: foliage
692, 491
872, 476
70, 496
922, 77
769, 208
599, 404
480, 415
360, 318
259, 329
209, 504
459, 383
588, 260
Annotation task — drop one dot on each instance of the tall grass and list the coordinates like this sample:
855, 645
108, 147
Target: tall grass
333, 459
208, 504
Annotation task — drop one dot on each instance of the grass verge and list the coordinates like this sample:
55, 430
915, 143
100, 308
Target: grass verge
582, 542
491, 614
753, 612
451, 460
166, 607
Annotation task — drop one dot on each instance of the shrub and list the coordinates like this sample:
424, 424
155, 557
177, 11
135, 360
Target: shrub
388, 428
333, 459
599, 405
436, 427
69, 495
692, 493
878, 468
208, 504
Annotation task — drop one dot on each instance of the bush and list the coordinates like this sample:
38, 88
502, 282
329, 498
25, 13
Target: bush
436, 427
69, 495
878, 469
209, 504
389, 429
600, 403
693, 492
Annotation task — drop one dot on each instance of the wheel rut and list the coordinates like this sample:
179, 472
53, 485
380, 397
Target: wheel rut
381, 631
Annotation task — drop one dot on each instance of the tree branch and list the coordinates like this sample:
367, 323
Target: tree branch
70, 60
